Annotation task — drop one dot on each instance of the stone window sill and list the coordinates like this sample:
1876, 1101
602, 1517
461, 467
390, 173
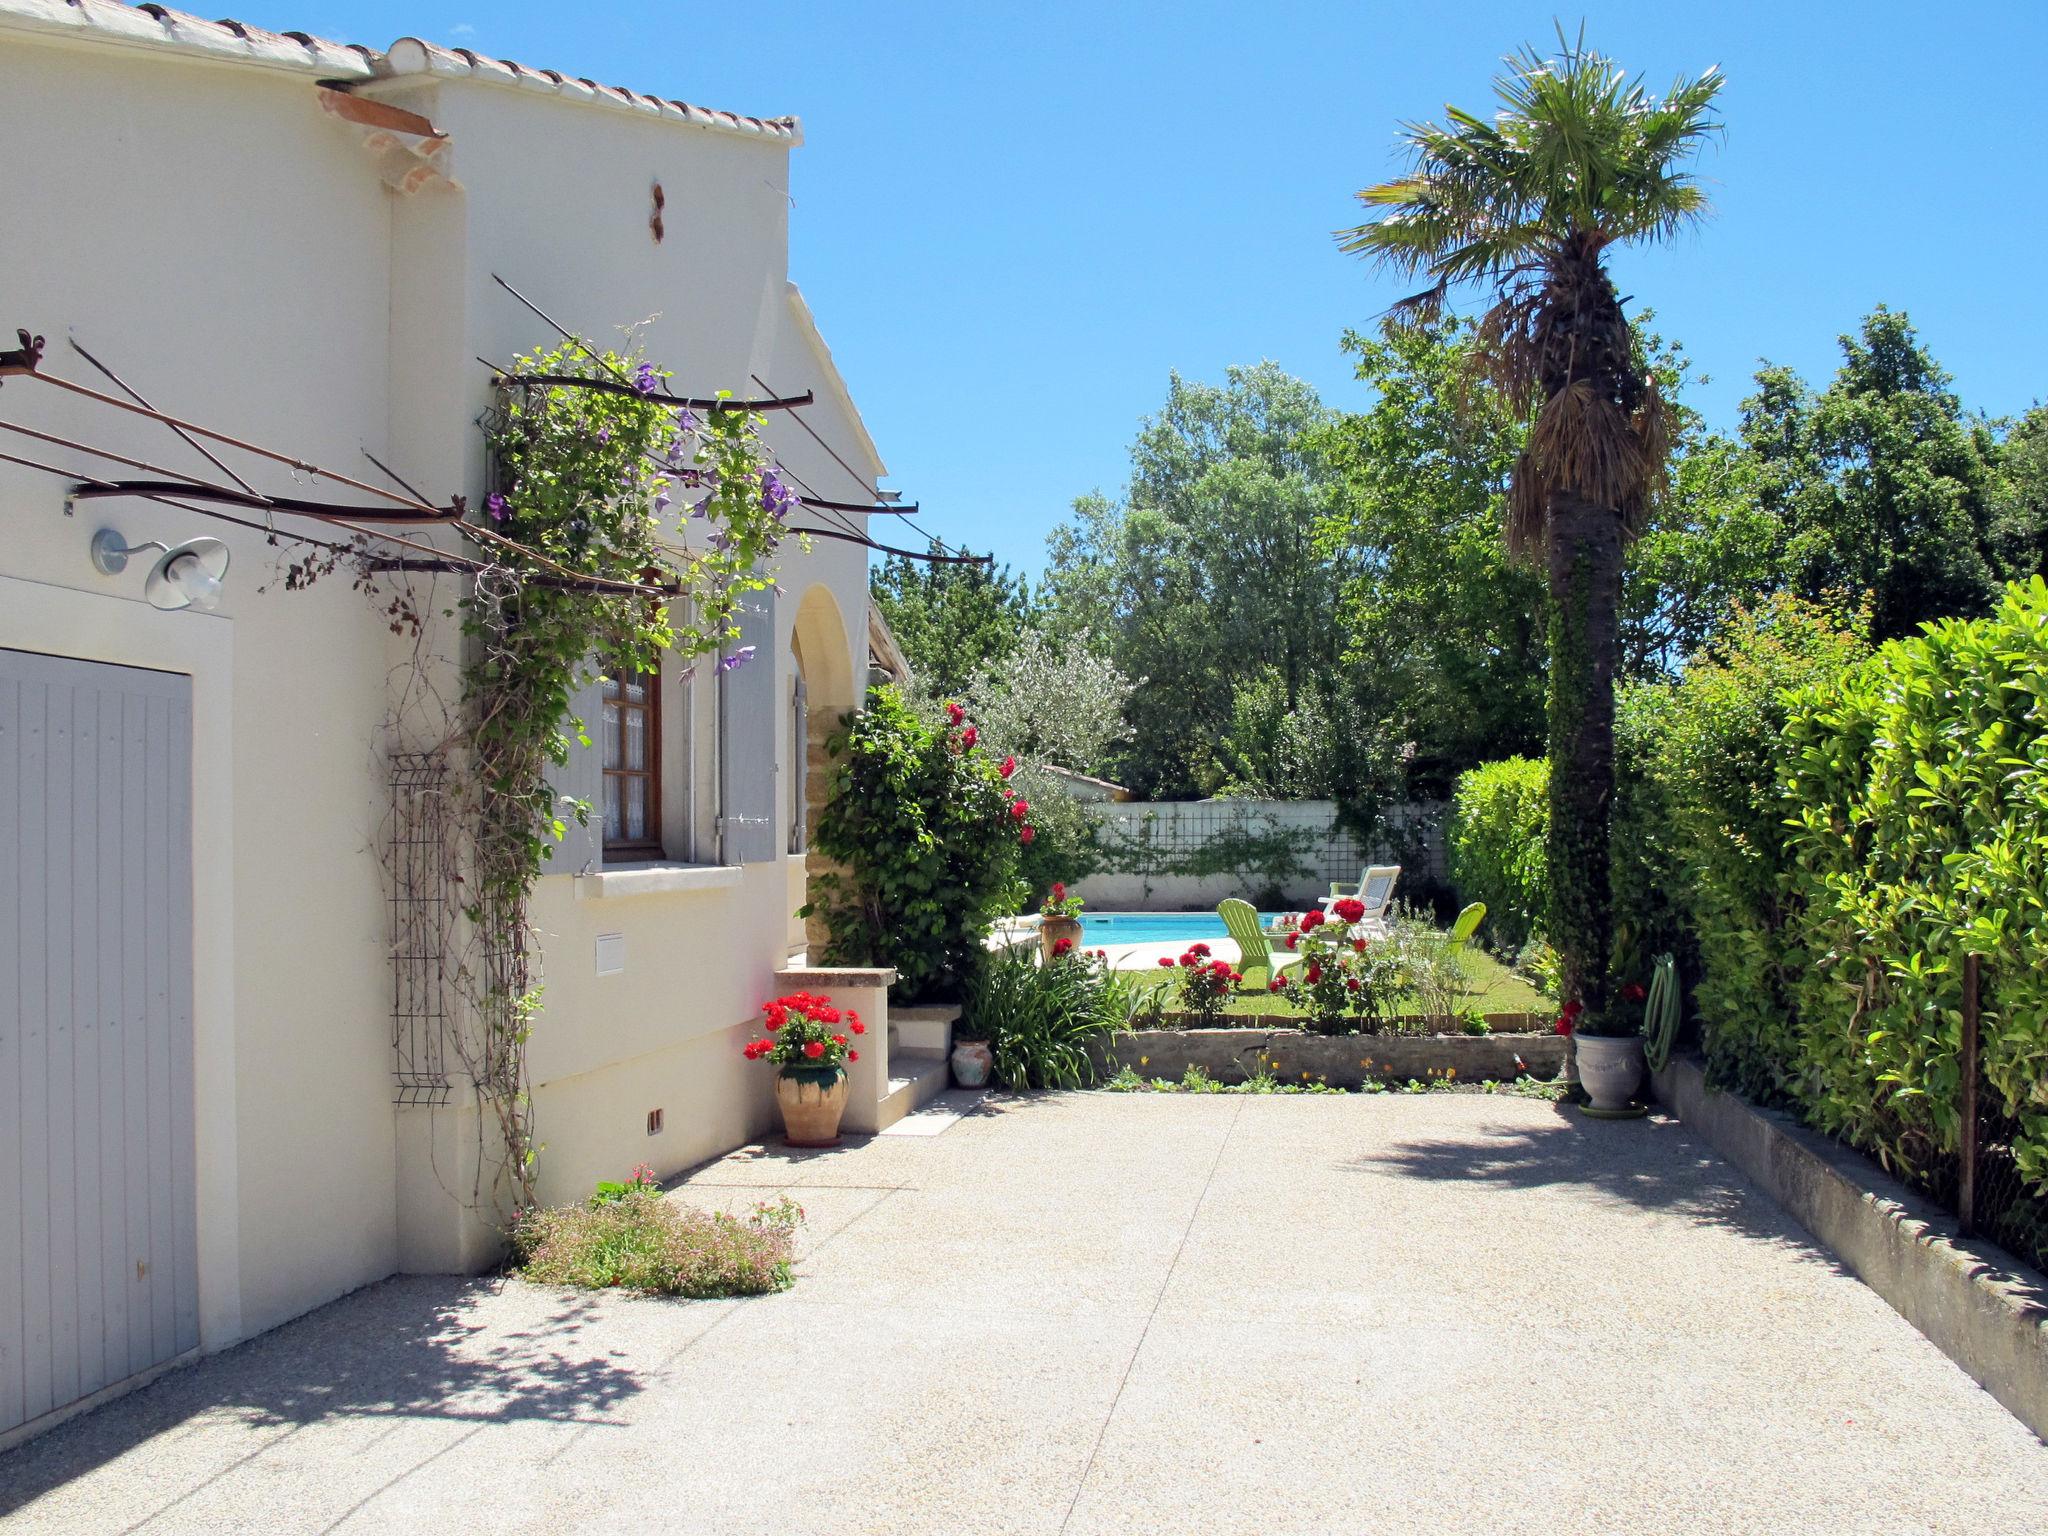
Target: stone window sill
654, 880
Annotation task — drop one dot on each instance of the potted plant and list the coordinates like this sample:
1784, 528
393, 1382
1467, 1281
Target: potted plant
810, 1042
1059, 918
1609, 1058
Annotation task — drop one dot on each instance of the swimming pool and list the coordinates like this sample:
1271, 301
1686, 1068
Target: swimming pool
1102, 928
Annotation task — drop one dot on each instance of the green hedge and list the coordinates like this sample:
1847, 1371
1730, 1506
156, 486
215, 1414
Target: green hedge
1494, 845
1917, 788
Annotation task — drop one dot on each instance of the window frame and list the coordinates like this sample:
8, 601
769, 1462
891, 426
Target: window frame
612, 691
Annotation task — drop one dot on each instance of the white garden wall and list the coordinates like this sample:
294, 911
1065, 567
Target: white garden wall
1153, 843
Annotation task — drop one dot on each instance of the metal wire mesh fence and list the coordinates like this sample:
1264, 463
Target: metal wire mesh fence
420, 874
1991, 1196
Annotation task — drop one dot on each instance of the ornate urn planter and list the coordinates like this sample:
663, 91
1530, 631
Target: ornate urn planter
1052, 929
810, 1109
1610, 1069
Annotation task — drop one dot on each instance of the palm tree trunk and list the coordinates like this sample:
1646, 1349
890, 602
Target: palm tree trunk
1585, 560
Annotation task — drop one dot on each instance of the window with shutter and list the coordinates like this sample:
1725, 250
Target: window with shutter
629, 737
749, 715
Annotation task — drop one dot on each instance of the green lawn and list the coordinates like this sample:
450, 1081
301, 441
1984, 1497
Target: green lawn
1495, 989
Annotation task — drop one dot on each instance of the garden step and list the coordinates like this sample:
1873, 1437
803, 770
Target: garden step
915, 1079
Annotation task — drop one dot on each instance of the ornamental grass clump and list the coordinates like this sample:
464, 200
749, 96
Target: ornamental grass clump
627, 1236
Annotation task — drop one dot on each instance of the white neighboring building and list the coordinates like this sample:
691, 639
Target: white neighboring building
199, 1128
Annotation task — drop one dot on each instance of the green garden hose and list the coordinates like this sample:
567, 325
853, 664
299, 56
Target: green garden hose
1660, 1012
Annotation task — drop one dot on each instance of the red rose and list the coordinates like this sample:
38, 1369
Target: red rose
1358, 946
1202, 950
1009, 767
1349, 910
1275, 984
1315, 974
955, 713
969, 736
1563, 1026
1310, 921
1020, 808
1351, 983
814, 1049
1221, 967
1294, 941
1060, 947
1167, 961
1025, 836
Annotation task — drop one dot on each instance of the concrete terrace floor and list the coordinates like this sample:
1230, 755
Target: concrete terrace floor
1098, 1313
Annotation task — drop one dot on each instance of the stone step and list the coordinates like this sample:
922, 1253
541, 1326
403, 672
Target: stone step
915, 1079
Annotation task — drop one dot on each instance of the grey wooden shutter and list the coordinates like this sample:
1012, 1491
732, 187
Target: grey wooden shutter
99, 1273
581, 778
748, 710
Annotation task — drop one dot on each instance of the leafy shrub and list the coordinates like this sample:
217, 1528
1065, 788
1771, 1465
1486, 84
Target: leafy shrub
926, 840
627, 1235
1495, 845
1714, 816
1042, 1021
1919, 787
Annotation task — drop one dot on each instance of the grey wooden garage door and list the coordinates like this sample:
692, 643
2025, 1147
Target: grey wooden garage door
98, 1236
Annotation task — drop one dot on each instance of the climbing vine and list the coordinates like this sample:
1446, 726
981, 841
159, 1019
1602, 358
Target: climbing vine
621, 526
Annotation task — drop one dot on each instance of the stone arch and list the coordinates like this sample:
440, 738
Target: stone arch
824, 661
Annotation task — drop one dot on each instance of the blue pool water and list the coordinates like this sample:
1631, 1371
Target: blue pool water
1099, 928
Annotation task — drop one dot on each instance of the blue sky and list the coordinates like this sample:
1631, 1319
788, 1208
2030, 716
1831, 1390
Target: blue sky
1013, 222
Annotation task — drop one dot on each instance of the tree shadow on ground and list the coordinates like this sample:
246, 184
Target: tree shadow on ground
414, 1347
1654, 1164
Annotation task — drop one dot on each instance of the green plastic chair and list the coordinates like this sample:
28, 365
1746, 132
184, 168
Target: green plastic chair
1459, 939
1256, 961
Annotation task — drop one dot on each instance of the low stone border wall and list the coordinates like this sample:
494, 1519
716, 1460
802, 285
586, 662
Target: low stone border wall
1981, 1307
1415, 1023
1342, 1061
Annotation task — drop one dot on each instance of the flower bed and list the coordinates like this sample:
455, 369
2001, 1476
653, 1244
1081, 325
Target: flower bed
1401, 1024
1232, 1055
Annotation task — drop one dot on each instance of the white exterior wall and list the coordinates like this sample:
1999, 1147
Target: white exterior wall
231, 250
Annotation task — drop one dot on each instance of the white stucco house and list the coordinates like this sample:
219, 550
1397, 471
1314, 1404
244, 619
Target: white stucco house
212, 1115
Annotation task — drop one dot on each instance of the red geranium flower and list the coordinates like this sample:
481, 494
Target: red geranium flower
853, 1055
1220, 967
839, 1039
1294, 941
1310, 921
1358, 946
955, 713
1349, 910
1020, 808
1060, 947
859, 1028
969, 736
1009, 767
1059, 890
814, 1049
1026, 835
1275, 984
1315, 974
1351, 983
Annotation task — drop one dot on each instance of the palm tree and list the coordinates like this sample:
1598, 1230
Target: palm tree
1578, 158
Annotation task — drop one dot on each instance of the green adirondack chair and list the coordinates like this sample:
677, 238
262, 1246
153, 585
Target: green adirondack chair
1257, 962
1459, 939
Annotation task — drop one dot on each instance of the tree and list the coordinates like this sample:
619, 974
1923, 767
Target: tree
1442, 632
949, 619
1206, 569
1578, 159
1883, 485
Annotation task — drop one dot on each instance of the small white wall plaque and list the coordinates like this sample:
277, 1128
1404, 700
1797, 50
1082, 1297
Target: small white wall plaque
611, 953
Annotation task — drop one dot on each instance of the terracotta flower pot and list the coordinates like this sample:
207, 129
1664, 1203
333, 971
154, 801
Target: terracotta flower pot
971, 1062
810, 1110
1052, 929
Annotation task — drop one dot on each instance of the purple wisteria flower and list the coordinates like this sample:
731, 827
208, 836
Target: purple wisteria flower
495, 505
777, 499
738, 658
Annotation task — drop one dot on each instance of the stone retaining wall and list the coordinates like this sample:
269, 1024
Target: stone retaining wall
1342, 1061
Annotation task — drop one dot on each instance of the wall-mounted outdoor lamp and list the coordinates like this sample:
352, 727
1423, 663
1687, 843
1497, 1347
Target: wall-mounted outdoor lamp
188, 575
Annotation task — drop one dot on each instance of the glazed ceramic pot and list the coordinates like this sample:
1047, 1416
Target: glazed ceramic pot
810, 1110
1610, 1068
1052, 929
971, 1062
